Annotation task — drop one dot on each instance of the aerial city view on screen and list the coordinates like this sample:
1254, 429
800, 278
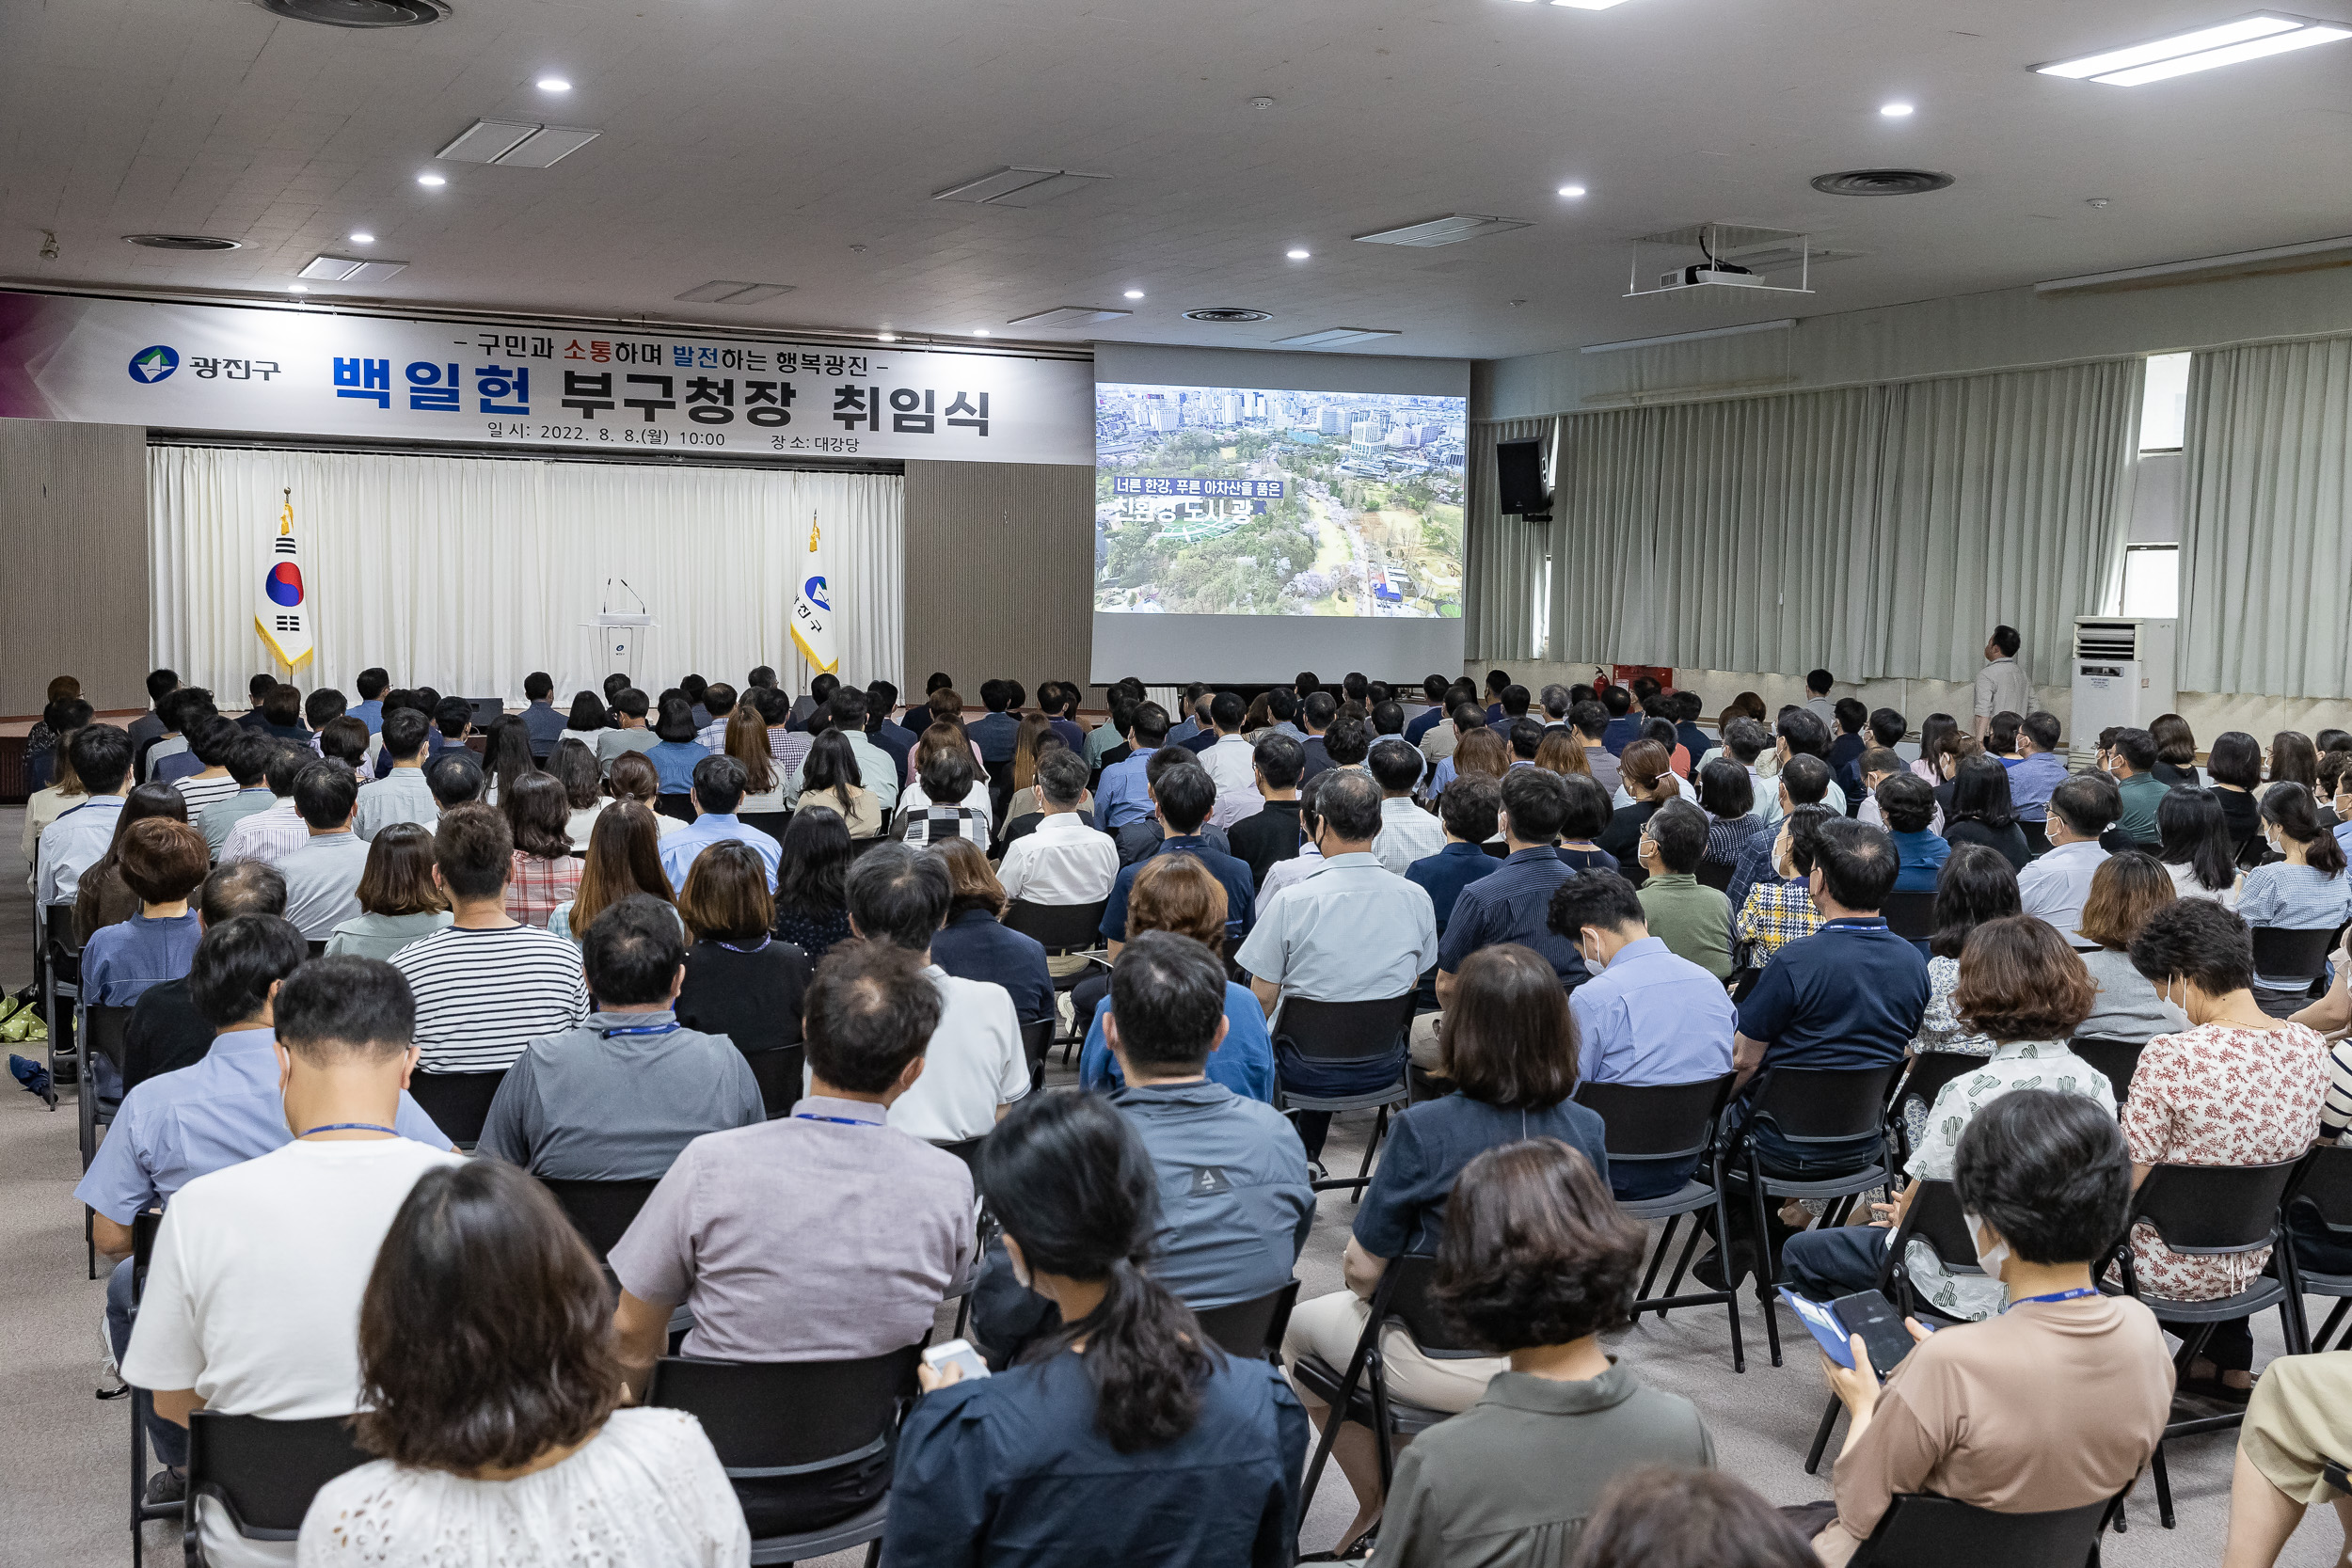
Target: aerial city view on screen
1222, 501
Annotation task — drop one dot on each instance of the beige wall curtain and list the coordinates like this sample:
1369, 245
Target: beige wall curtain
1877, 531
2265, 553
1502, 568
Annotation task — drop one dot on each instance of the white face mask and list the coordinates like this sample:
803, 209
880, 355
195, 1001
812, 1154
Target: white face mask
1988, 1258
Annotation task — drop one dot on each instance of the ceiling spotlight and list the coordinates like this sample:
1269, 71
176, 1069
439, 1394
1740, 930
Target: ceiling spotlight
431, 179
1134, 294
297, 287
1894, 111
979, 332
554, 84
886, 337
1295, 255
1571, 190
364, 238
1261, 102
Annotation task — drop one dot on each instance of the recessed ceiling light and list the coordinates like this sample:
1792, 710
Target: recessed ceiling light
2247, 38
1134, 294
554, 84
887, 336
1894, 111
1589, 5
1571, 190
364, 238
431, 179
979, 332
1295, 255
297, 287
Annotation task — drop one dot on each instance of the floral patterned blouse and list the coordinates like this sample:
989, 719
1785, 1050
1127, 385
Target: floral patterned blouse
2219, 1094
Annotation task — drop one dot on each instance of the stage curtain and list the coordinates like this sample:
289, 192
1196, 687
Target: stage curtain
1502, 556
468, 573
2266, 534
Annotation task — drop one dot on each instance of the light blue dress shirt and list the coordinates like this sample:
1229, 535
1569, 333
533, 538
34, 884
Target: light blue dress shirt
1123, 796
72, 845
679, 849
1244, 1063
1652, 1018
223, 1111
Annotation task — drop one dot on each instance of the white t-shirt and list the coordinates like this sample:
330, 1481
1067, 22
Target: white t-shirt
253, 1297
973, 1064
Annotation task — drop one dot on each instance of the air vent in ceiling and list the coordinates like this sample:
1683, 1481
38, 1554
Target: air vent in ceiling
1451, 229
1227, 313
1015, 186
1070, 315
1334, 336
350, 269
1881, 181
722, 291
182, 242
358, 13
515, 144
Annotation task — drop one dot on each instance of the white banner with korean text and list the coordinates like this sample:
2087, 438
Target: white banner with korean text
312, 371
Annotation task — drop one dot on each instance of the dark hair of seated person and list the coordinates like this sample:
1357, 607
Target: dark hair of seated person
2020, 980
1906, 802
632, 951
2048, 1171
1975, 884
1169, 991
282, 708
2198, 941
539, 812
1679, 828
1468, 807
1062, 776
830, 768
474, 850
574, 766
813, 864
398, 878
2292, 809
898, 895
2194, 831
1857, 864
1280, 760
162, 860
1980, 793
1726, 789
867, 1014
1185, 794
726, 897
403, 733
237, 961
624, 858
971, 878
101, 756
336, 1008
632, 777
588, 713
325, 794
214, 736
506, 752
947, 776
520, 1359
345, 739
1663, 1516
1536, 802
2124, 892
2086, 802
241, 887
1069, 1176
454, 778
1507, 1039
1598, 899
1535, 1250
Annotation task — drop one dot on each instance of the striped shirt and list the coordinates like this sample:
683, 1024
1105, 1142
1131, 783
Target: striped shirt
2335, 1112
923, 826
483, 995
2293, 899
712, 738
267, 836
199, 793
538, 884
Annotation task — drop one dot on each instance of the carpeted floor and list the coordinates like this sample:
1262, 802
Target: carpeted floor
64, 1455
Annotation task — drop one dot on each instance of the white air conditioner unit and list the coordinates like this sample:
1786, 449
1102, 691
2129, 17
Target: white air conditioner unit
2123, 677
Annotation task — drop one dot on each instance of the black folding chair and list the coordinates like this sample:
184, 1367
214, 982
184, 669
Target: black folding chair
772, 823
1671, 1124
795, 1421
60, 959
1252, 1329
458, 1102
1817, 1106
1910, 915
103, 1032
317, 946
2036, 836
1717, 875
143, 1228
1349, 1033
2321, 1194
2213, 1212
600, 1211
679, 806
2116, 1060
2299, 957
1935, 1216
1062, 930
777, 1069
1927, 1074
1922, 1530
1361, 1393
263, 1473
1036, 1041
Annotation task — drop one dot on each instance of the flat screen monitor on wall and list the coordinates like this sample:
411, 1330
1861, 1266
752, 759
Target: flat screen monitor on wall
1260, 514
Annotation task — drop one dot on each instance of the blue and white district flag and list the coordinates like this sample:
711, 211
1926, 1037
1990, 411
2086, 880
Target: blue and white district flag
812, 606
282, 613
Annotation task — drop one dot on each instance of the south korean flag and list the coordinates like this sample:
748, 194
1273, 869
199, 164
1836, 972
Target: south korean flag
282, 613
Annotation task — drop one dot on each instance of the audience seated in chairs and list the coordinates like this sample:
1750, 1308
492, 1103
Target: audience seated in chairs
1728, 794
717, 796
1061, 859
1468, 811
1693, 919
1848, 997
628, 731
1537, 1262
975, 943
974, 1064
948, 803
616, 1097
248, 769
632, 778
1646, 1016
2238, 1087
1779, 908
455, 778
1230, 1239
160, 861
831, 776
2124, 892
1982, 811
539, 812
574, 766
399, 901
1182, 794
210, 780
2054, 887
323, 876
2022, 989
741, 982
102, 897
1143, 838
1907, 810
1797, 783
1176, 894
1262, 818
812, 873
624, 858
166, 1030
821, 1236
677, 754
1408, 834
496, 1434
253, 1299
1659, 1516
488, 985
2056, 1403
1153, 1445
2198, 850
401, 795
1510, 1049
2307, 889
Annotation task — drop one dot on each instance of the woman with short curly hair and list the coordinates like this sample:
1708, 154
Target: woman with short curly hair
1537, 1261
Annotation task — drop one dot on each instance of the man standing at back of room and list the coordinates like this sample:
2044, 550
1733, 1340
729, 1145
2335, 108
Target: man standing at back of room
1816, 702
2001, 685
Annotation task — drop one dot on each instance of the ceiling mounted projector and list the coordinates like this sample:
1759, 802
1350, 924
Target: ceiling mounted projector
1721, 247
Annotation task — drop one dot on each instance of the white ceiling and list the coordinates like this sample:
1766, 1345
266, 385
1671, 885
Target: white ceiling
762, 140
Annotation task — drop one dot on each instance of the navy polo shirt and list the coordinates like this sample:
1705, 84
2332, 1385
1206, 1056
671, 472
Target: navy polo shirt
1420, 726
896, 746
973, 945
1241, 894
1850, 995
1445, 874
1404, 1208
1621, 732
1509, 905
